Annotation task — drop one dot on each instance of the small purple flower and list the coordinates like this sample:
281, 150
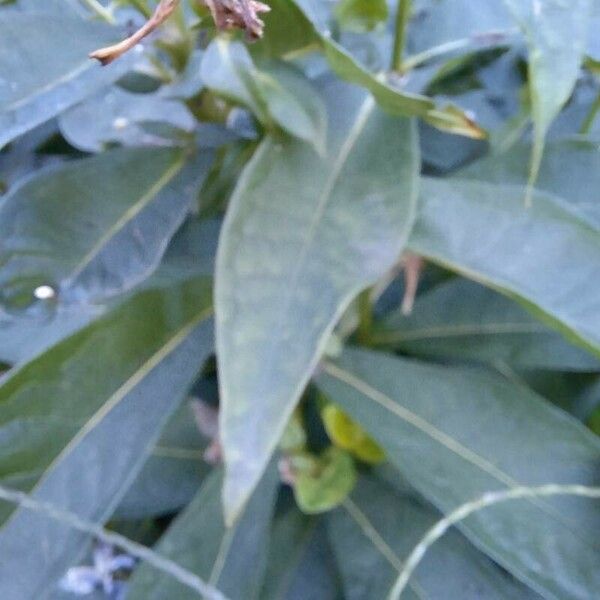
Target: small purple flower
84, 580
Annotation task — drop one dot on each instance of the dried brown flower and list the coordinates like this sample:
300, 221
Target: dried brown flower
238, 14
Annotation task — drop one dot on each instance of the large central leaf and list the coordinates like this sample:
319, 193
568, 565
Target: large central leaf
303, 235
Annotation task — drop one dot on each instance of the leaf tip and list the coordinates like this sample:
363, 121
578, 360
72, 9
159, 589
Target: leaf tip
238, 485
104, 56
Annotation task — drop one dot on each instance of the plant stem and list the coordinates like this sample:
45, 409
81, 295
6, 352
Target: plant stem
162, 563
402, 18
465, 510
588, 122
365, 317
100, 10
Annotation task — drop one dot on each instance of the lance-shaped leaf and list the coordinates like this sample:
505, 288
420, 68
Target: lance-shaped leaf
301, 563
570, 169
361, 15
96, 227
24, 335
447, 24
556, 33
191, 254
377, 528
545, 255
41, 73
462, 320
66, 7
62, 415
417, 413
172, 474
303, 235
290, 15
233, 560
279, 94
117, 117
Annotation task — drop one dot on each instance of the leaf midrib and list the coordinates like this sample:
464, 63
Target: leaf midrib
133, 211
372, 534
473, 329
439, 436
119, 395
354, 134
81, 68
416, 421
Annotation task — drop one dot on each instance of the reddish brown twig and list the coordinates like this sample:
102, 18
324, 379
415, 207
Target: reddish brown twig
207, 421
161, 14
413, 266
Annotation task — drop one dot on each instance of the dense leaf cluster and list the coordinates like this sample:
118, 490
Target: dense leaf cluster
274, 309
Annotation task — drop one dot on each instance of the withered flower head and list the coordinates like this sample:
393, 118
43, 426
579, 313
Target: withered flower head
238, 14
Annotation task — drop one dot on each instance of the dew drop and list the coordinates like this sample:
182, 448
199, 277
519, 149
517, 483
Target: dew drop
44, 292
120, 123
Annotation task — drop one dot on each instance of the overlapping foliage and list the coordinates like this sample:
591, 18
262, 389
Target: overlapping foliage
211, 337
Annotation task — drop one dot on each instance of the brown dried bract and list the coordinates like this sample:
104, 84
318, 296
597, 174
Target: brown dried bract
227, 14
413, 267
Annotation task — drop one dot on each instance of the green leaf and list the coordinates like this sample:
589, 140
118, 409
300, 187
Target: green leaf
348, 435
65, 415
93, 228
25, 335
172, 472
67, 7
361, 15
556, 33
570, 169
594, 422
294, 104
545, 255
288, 32
41, 75
377, 528
417, 413
445, 23
118, 117
303, 235
277, 94
233, 560
324, 482
301, 565
391, 99
294, 438
461, 320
